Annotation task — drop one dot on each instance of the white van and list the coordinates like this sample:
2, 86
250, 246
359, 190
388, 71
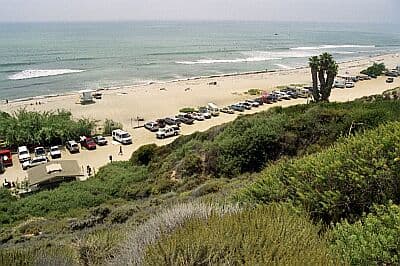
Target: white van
121, 136
23, 154
213, 108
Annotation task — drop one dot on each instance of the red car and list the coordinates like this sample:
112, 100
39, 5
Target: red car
6, 158
88, 143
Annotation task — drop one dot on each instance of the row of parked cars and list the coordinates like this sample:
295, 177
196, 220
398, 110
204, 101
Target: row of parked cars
40, 155
170, 126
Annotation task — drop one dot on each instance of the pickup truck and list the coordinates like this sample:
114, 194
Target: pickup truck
34, 162
167, 132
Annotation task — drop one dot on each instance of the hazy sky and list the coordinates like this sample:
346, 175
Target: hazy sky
384, 11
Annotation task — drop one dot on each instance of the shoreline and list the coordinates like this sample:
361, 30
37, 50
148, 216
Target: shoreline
233, 74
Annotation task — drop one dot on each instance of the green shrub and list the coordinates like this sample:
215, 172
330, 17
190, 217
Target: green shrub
254, 92
110, 125
47, 128
187, 110
374, 70
270, 235
144, 154
209, 187
191, 165
374, 240
341, 182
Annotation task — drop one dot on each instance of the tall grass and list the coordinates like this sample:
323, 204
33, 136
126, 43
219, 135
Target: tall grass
271, 235
133, 249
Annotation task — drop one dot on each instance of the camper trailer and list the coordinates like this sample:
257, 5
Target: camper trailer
86, 96
213, 109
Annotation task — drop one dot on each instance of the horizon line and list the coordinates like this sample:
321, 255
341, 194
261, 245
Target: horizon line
194, 20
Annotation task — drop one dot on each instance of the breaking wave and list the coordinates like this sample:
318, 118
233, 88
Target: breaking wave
39, 73
323, 47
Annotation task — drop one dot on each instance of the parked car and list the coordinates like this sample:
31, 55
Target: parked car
237, 107
197, 116
23, 154
341, 84
389, 80
152, 126
161, 123
167, 132
55, 152
293, 94
121, 136
227, 110
100, 140
259, 100
350, 84
246, 106
172, 121
185, 118
6, 158
34, 162
283, 95
252, 103
40, 151
276, 95
72, 146
391, 74
88, 143
205, 113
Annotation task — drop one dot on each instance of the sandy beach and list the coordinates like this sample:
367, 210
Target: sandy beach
161, 100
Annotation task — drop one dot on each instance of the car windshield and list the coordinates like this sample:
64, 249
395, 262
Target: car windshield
23, 152
125, 135
54, 148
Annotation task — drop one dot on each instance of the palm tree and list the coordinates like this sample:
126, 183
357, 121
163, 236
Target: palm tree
314, 65
323, 69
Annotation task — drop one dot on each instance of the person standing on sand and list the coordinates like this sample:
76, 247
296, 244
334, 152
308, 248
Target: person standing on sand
120, 151
110, 157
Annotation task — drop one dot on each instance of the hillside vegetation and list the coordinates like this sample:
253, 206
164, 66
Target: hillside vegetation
296, 173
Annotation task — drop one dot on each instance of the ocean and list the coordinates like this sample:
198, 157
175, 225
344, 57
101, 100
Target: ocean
54, 58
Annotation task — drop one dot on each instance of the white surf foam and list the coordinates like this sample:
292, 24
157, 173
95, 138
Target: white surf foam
323, 47
220, 61
38, 73
286, 67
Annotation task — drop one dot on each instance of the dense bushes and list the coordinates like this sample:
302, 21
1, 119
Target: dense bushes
341, 182
269, 235
374, 70
375, 239
112, 181
109, 126
33, 128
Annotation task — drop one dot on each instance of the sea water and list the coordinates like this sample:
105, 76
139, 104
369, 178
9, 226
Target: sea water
54, 58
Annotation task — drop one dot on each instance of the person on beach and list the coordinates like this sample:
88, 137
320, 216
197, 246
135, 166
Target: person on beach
89, 170
120, 151
110, 158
